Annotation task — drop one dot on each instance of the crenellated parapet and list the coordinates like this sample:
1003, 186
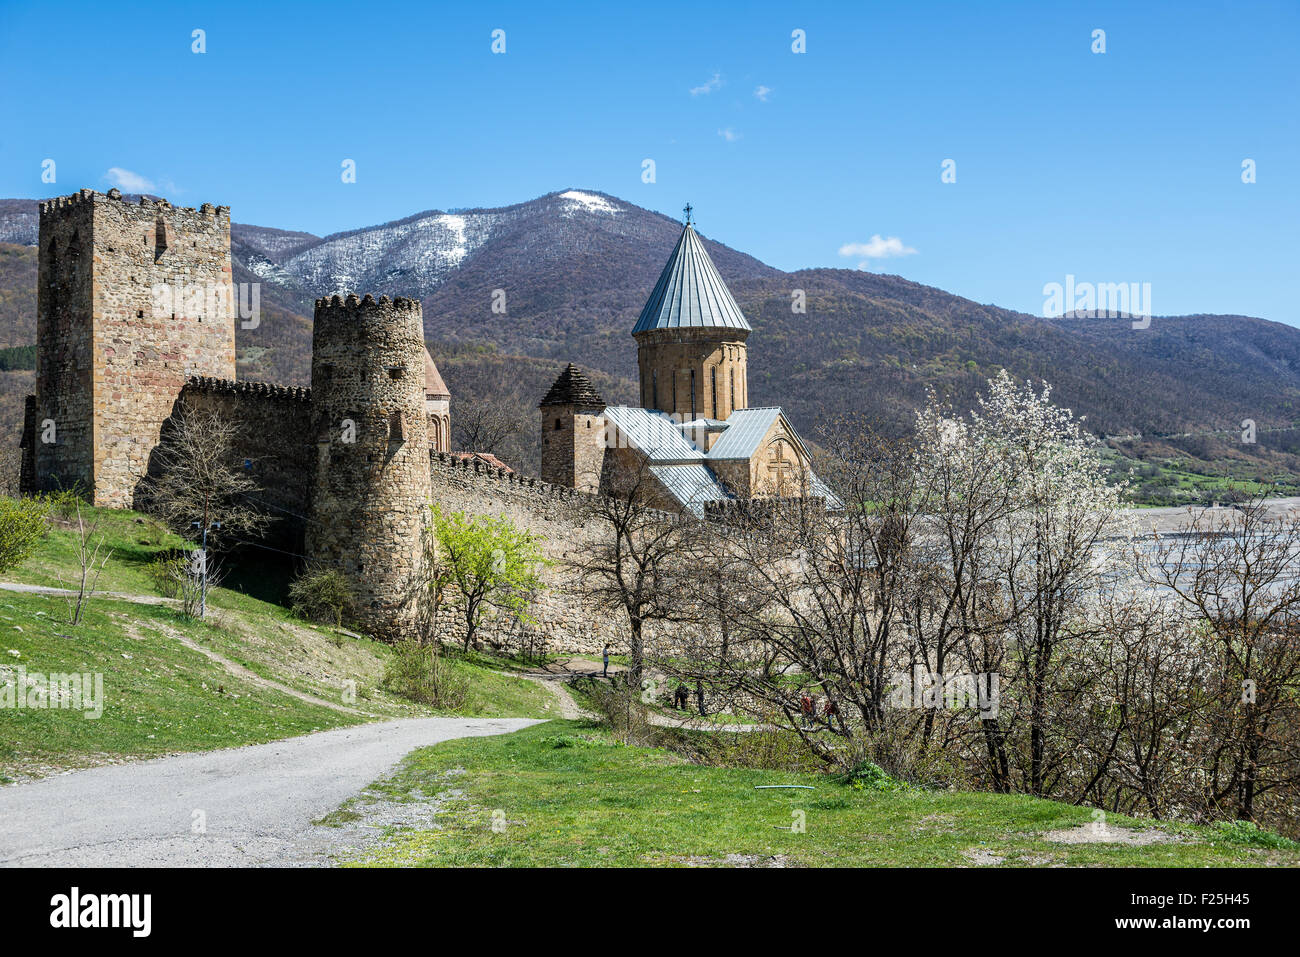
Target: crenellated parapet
85, 198
247, 390
532, 493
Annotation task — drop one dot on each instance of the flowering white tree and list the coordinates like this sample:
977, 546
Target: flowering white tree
1049, 552
1024, 502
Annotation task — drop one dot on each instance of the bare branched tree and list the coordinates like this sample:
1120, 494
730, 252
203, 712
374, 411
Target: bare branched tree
639, 561
488, 425
1238, 573
194, 481
811, 597
91, 557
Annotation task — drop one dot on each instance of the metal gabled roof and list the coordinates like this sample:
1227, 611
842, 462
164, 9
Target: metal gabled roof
690, 293
745, 430
824, 491
691, 485
654, 434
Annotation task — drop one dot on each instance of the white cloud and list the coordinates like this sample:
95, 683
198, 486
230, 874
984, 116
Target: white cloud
708, 86
131, 182
729, 135
877, 248
762, 92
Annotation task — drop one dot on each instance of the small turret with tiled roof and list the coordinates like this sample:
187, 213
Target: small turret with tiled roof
573, 388
573, 432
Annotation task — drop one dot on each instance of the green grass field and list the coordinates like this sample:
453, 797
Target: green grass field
570, 796
162, 695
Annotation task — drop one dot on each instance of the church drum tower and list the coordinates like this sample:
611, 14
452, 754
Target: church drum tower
691, 338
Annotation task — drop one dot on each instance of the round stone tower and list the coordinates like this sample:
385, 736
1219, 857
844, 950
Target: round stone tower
372, 486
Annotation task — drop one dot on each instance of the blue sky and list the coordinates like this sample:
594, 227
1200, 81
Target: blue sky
1123, 166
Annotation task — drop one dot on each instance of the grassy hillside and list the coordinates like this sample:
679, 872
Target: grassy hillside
252, 672
569, 795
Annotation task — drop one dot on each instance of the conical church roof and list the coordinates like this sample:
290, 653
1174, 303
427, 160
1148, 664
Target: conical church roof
690, 293
573, 388
434, 387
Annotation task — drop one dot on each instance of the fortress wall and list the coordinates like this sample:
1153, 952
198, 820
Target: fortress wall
370, 434
553, 513
65, 350
272, 441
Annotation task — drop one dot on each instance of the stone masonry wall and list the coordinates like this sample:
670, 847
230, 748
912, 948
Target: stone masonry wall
65, 345
271, 444
574, 453
552, 512
668, 358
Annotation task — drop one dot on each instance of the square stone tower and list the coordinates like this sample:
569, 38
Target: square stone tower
573, 432
132, 299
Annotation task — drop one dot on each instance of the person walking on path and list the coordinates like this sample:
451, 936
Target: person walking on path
809, 709
605, 657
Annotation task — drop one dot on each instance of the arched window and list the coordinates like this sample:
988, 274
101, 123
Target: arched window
713, 389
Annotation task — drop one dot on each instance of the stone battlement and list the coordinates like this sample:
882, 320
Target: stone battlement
447, 462
251, 390
542, 497
87, 197
366, 305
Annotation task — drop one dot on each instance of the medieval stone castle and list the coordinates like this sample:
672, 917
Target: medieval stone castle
352, 462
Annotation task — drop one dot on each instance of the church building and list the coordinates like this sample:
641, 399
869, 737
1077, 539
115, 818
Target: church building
694, 434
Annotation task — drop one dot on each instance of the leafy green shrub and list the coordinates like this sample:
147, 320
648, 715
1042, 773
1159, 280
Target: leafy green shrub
23, 523
63, 502
321, 594
165, 576
419, 673
869, 776
1251, 835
